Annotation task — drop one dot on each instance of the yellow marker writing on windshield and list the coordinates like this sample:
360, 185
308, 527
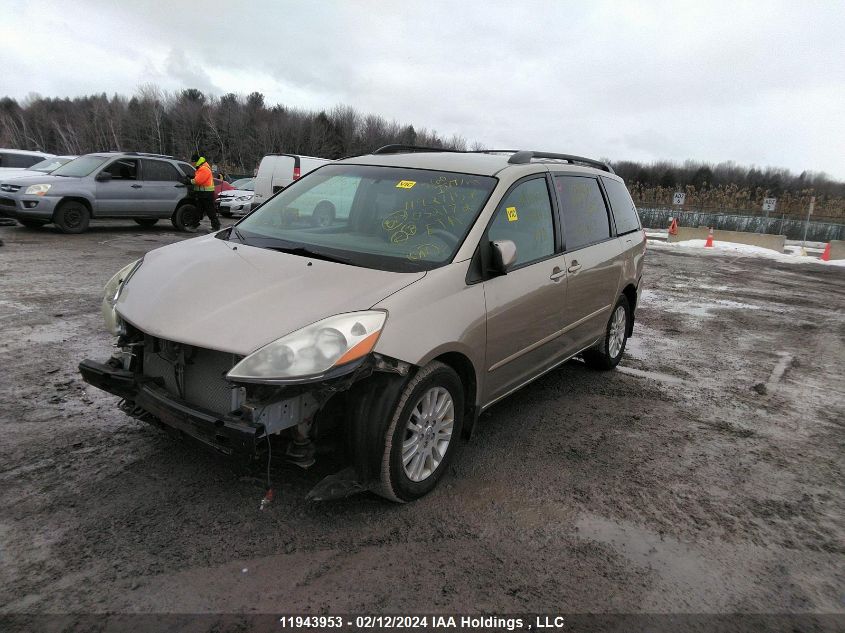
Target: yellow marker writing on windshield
512, 216
405, 184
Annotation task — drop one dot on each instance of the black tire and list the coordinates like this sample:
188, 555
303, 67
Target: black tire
32, 224
601, 356
72, 217
395, 483
324, 214
225, 214
146, 221
186, 218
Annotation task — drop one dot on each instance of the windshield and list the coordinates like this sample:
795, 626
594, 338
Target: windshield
81, 166
50, 164
244, 184
388, 218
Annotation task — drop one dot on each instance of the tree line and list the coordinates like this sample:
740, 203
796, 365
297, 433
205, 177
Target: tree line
233, 131
236, 131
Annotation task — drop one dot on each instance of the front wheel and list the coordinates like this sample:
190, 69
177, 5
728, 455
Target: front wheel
608, 352
72, 217
186, 218
423, 432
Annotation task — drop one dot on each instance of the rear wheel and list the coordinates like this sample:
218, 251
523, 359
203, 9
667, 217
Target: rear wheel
146, 221
608, 352
32, 224
72, 217
186, 218
422, 436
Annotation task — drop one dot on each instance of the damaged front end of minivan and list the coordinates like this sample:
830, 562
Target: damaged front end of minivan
289, 394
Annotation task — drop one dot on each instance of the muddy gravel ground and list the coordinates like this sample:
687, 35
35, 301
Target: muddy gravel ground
705, 475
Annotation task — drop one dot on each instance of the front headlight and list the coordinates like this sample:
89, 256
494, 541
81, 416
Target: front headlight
38, 190
111, 293
313, 350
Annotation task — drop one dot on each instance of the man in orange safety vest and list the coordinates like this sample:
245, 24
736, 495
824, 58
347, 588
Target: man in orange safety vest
203, 182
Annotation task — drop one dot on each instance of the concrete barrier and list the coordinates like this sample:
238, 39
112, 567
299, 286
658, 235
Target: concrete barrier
765, 240
837, 249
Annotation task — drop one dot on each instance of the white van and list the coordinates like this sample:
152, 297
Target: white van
277, 171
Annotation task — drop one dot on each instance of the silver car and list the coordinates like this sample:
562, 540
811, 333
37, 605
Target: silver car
450, 280
130, 185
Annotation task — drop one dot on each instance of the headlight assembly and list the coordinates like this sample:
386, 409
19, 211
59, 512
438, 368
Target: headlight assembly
38, 190
313, 350
111, 293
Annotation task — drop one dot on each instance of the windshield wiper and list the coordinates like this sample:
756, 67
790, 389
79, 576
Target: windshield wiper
307, 252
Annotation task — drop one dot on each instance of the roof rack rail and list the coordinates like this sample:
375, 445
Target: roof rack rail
400, 149
144, 154
523, 157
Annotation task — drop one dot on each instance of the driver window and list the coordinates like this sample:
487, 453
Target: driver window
525, 218
123, 169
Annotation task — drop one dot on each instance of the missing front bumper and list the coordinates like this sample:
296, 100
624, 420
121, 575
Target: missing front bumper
226, 434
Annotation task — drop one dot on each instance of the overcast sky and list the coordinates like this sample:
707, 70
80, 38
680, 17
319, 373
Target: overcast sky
758, 83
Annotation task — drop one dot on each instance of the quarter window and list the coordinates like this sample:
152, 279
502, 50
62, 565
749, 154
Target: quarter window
525, 218
159, 170
624, 211
585, 219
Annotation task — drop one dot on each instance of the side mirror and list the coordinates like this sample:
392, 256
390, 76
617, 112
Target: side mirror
103, 176
504, 255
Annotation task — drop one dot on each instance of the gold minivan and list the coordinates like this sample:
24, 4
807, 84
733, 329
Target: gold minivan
443, 282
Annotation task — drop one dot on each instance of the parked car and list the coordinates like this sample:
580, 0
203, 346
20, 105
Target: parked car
238, 200
132, 185
220, 186
20, 158
46, 166
277, 171
453, 280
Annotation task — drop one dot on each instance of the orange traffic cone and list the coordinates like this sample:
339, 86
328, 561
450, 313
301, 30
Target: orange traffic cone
673, 228
709, 242
826, 255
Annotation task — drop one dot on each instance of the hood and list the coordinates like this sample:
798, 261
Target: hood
8, 173
234, 193
43, 179
206, 293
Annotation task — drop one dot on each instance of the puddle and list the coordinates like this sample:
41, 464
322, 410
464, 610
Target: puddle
679, 566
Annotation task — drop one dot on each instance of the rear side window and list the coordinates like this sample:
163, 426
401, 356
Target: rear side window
525, 218
624, 211
159, 170
585, 219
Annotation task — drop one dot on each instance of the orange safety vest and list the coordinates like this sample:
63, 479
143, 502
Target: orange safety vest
203, 180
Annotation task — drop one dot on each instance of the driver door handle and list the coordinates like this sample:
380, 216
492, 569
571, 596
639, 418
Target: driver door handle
557, 273
136, 186
574, 267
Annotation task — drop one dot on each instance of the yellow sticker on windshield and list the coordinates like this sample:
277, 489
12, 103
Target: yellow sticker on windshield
512, 216
405, 184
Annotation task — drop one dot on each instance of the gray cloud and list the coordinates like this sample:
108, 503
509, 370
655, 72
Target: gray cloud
755, 82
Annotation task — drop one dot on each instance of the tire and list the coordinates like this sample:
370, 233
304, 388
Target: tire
186, 218
324, 214
32, 224
608, 352
225, 214
72, 217
146, 221
435, 386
